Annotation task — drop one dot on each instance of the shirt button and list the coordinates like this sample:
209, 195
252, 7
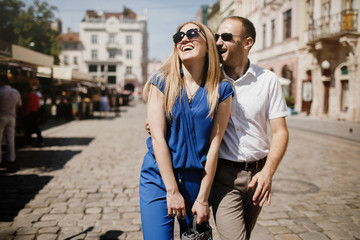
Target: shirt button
238, 129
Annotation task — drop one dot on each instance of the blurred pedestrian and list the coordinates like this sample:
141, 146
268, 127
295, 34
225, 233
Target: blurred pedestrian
104, 104
247, 160
10, 99
188, 110
31, 104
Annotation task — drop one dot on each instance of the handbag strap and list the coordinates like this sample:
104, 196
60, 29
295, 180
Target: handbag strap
194, 223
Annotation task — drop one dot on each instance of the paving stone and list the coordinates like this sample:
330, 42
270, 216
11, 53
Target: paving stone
52, 230
287, 237
45, 224
313, 236
49, 217
47, 236
337, 234
27, 231
24, 237
278, 230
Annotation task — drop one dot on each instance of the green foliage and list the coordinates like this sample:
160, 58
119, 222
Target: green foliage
29, 27
10, 10
290, 101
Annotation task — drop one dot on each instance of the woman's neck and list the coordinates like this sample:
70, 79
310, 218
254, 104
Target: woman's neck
193, 73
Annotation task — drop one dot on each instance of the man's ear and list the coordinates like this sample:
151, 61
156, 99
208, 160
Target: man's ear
249, 43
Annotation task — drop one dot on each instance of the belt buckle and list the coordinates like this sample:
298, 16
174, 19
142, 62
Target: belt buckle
248, 168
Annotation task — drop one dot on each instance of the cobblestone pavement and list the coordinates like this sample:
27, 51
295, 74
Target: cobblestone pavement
84, 185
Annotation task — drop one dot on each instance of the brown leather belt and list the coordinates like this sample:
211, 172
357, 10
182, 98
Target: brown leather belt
247, 166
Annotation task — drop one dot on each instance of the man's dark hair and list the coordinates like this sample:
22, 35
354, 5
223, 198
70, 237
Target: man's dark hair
247, 24
4, 79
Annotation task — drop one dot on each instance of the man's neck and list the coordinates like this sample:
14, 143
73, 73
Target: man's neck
236, 71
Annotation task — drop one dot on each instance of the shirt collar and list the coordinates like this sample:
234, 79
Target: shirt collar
250, 70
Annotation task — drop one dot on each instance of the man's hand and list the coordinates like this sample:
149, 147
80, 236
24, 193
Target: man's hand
262, 180
147, 127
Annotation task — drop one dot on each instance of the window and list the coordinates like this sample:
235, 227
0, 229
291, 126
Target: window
112, 68
94, 39
94, 54
92, 68
66, 60
344, 70
112, 53
75, 60
287, 24
112, 38
102, 68
344, 95
128, 70
112, 79
128, 39
325, 12
273, 34
264, 35
128, 54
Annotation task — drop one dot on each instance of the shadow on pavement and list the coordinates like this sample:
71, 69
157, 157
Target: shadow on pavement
89, 229
20, 181
50, 142
42, 161
16, 191
111, 235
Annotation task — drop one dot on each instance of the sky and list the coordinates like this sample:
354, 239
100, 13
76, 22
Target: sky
163, 17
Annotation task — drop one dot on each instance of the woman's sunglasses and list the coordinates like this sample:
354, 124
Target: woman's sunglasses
191, 34
226, 36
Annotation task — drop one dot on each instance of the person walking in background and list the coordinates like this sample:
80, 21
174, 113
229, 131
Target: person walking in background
247, 160
104, 103
31, 117
10, 99
188, 110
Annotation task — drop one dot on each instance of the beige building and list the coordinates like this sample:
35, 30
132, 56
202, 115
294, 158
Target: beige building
110, 45
312, 45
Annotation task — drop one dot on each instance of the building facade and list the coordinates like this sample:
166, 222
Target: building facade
110, 45
311, 45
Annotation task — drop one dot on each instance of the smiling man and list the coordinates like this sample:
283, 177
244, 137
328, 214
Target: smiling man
247, 160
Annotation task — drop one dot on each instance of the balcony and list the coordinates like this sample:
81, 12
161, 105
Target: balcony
113, 45
334, 26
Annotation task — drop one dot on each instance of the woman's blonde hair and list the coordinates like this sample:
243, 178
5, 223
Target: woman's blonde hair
174, 82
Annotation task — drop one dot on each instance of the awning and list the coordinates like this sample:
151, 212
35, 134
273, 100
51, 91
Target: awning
69, 74
44, 72
32, 57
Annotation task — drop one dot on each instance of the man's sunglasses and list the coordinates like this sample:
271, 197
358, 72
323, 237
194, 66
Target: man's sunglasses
226, 36
191, 34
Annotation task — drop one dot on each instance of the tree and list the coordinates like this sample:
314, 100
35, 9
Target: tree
31, 27
10, 10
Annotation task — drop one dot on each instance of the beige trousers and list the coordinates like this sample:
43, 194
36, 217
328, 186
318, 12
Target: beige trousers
234, 212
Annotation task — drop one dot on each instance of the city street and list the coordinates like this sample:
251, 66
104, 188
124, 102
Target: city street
84, 185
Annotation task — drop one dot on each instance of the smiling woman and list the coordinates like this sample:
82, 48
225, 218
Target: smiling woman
179, 168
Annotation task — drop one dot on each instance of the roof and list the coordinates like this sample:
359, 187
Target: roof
69, 36
127, 13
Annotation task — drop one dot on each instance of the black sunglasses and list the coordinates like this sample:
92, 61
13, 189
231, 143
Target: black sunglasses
191, 34
226, 36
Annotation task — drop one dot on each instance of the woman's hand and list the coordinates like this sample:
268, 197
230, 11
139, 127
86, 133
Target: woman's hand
175, 205
202, 210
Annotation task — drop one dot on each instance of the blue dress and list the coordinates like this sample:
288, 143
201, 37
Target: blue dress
187, 136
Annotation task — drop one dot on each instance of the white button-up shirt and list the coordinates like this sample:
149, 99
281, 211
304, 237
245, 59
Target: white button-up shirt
258, 98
